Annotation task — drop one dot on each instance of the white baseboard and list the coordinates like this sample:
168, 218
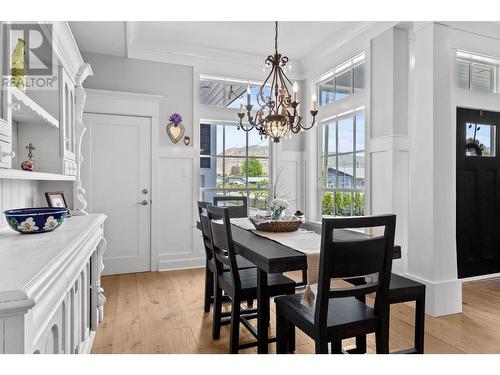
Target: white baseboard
441, 297
178, 264
87, 345
479, 278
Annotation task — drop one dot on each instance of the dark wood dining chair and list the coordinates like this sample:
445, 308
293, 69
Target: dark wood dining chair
401, 290
238, 206
210, 267
340, 313
238, 284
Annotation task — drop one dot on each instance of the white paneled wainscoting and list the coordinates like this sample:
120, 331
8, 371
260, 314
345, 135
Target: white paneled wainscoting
179, 242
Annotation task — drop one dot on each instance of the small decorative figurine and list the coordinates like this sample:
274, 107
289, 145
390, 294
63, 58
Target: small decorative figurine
30, 164
18, 68
175, 129
187, 140
308, 298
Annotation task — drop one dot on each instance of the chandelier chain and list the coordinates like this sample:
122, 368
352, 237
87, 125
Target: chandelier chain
276, 37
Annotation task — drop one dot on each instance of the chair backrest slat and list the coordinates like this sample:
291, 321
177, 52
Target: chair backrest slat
357, 258
235, 210
222, 241
354, 258
205, 230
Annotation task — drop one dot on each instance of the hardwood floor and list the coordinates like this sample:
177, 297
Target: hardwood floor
162, 312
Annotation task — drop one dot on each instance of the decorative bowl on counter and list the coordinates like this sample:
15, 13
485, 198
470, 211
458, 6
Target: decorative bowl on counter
266, 224
36, 220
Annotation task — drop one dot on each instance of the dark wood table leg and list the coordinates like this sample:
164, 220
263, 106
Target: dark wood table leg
262, 312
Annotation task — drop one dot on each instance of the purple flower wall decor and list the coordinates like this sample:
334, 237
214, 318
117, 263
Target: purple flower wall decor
175, 119
175, 129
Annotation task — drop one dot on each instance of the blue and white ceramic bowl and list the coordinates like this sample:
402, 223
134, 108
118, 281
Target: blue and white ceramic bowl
36, 220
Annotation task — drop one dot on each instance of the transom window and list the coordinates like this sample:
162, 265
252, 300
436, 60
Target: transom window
476, 73
226, 93
343, 81
342, 188
234, 163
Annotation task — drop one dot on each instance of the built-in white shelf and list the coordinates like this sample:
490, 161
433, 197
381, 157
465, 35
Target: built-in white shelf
18, 174
26, 110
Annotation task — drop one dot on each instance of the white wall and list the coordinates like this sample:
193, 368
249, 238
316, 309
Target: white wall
174, 82
177, 177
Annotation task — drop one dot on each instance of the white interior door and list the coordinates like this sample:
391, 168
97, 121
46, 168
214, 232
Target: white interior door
116, 172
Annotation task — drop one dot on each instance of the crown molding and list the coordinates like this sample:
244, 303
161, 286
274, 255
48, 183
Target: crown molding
204, 59
342, 39
65, 47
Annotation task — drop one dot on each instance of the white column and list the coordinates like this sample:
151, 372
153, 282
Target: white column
387, 139
431, 235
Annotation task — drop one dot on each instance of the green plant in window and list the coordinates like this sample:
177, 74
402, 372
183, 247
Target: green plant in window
343, 204
255, 168
358, 204
327, 204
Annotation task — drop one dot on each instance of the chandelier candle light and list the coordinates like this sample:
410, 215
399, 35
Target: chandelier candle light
278, 113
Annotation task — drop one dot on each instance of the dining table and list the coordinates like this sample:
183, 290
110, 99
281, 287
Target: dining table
273, 257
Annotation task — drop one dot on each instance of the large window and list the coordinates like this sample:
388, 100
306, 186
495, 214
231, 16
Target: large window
234, 163
342, 189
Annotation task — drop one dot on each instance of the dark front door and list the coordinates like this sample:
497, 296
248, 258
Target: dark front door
478, 192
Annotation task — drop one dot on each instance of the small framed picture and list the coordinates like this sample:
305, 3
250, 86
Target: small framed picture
56, 199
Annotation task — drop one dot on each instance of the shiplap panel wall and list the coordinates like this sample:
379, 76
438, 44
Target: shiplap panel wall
18, 194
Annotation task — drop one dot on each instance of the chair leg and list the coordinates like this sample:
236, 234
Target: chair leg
291, 337
304, 276
281, 334
209, 288
420, 325
382, 333
235, 327
250, 303
361, 344
361, 340
336, 346
217, 314
321, 347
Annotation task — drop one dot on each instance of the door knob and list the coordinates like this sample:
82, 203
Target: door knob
143, 202
144, 191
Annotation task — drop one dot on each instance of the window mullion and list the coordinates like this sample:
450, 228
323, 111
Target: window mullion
470, 76
336, 166
246, 169
223, 159
354, 163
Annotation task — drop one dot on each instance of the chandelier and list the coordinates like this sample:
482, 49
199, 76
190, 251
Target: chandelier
278, 113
